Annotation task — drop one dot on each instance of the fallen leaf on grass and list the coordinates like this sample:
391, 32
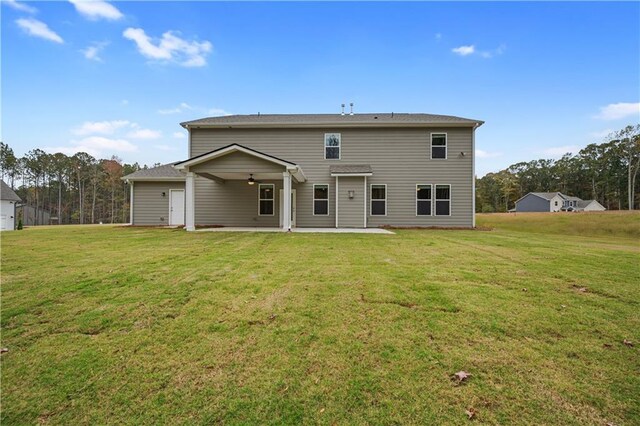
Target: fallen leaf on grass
471, 413
607, 345
524, 289
627, 342
321, 410
3, 350
582, 289
460, 376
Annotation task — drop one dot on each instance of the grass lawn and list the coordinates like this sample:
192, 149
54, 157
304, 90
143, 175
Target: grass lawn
152, 326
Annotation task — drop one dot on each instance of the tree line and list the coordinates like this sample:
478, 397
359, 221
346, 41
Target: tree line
74, 189
606, 172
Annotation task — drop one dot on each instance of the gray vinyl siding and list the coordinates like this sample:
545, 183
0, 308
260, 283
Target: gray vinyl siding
233, 203
351, 210
238, 161
149, 206
400, 158
532, 203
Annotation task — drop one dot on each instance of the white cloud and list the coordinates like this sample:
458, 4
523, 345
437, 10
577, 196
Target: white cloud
164, 147
100, 127
559, 151
471, 50
144, 134
22, 7
602, 134
96, 146
97, 9
170, 48
438, 36
619, 111
180, 108
92, 52
37, 28
485, 154
464, 50
217, 111
179, 135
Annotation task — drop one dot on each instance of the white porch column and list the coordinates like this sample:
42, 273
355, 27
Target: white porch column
190, 202
286, 203
337, 192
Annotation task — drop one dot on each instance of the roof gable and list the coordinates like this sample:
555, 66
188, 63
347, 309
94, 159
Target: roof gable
6, 193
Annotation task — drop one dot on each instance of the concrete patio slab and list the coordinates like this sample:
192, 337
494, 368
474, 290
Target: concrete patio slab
301, 230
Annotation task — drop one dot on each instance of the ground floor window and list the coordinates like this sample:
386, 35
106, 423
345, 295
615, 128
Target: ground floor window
378, 200
423, 200
320, 200
443, 200
266, 199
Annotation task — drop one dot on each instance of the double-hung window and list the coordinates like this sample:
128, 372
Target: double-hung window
443, 200
423, 200
438, 146
266, 199
332, 146
378, 200
320, 200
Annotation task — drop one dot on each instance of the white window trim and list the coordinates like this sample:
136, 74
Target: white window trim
446, 145
272, 199
430, 185
436, 199
314, 199
324, 146
386, 197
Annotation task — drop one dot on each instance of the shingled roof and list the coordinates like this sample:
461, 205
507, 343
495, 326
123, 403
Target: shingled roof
164, 172
348, 169
6, 193
305, 120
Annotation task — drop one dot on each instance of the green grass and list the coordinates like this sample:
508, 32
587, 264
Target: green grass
153, 326
617, 224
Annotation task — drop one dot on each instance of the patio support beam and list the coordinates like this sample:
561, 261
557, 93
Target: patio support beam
190, 202
286, 203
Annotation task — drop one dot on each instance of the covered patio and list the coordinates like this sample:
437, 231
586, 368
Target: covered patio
301, 230
234, 164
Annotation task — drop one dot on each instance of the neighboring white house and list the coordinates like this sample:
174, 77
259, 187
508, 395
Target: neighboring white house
555, 202
8, 200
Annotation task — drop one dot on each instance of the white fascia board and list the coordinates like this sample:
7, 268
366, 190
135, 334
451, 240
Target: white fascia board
327, 124
351, 174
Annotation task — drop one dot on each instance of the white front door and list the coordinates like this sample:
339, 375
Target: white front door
293, 207
176, 207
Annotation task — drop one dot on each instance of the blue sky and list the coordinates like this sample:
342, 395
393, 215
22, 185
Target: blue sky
117, 78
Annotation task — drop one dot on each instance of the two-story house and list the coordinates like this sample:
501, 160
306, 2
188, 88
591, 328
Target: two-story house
340, 170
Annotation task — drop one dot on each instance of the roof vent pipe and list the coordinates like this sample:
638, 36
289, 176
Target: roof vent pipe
342, 113
351, 105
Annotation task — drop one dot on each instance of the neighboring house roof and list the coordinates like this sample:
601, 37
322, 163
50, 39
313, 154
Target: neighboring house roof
582, 204
545, 195
570, 198
309, 120
6, 193
164, 172
351, 169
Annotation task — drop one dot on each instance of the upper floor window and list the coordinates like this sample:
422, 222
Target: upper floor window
438, 145
423, 200
320, 200
332, 146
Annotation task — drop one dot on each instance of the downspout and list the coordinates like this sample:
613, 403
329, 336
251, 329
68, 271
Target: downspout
473, 175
